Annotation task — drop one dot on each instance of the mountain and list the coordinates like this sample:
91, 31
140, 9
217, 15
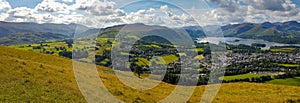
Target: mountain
111, 32
7, 28
286, 26
12, 33
28, 38
194, 31
155, 33
267, 25
286, 32
239, 29
33, 77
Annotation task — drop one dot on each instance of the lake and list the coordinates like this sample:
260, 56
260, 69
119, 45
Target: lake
238, 41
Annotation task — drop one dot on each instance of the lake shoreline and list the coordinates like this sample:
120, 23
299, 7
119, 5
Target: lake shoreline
238, 41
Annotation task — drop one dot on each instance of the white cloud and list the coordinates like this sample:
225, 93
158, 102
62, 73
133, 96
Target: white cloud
273, 11
48, 11
163, 16
83, 4
20, 14
237, 11
104, 8
151, 10
4, 6
274, 5
52, 6
67, 1
3, 16
98, 12
229, 5
164, 8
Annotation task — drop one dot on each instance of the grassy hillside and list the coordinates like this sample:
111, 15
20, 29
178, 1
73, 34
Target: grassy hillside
27, 76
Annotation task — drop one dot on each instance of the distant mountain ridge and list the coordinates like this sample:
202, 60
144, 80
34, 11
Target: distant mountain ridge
237, 29
10, 28
28, 38
111, 32
12, 33
286, 32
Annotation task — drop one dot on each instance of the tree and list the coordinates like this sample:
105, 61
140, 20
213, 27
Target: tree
66, 54
69, 42
136, 69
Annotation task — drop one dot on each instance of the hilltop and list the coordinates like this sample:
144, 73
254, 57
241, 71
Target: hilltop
27, 76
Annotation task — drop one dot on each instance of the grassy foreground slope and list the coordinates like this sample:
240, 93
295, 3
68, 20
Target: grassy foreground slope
27, 76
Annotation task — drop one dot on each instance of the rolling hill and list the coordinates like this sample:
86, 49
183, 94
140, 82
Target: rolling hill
32, 77
29, 38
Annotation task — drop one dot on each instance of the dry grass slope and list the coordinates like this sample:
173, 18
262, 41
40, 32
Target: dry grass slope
28, 76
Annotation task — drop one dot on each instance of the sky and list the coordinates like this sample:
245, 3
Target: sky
99, 13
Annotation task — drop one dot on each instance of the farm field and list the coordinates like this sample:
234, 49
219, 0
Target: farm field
57, 47
290, 65
168, 59
243, 76
285, 50
53, 47
288, 81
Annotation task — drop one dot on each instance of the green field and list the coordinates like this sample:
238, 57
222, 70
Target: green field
152, 46
46, 47
243, 76
288, 81
161, 60
200, 57
285, 50
199, 49
143, 62
167, 59
289, 65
